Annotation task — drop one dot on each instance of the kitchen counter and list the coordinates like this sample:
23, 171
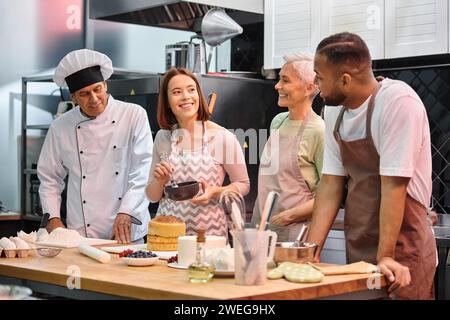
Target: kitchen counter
115, 279
443, 270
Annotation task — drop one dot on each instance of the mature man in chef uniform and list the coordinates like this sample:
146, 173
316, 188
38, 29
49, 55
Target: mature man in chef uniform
377, 135
104, 145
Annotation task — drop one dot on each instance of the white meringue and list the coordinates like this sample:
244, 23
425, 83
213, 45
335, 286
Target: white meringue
7, 244
20, 244
30, 238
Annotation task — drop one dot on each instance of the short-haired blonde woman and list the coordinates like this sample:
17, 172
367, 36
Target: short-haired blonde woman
191, 147
291, 163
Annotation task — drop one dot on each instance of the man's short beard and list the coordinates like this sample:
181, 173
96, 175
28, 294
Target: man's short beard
334, 100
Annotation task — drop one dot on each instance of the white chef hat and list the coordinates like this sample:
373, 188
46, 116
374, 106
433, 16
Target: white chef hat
81, 68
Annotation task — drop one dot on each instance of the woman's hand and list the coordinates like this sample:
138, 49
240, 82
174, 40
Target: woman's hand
162, 172
209, 193
283, 218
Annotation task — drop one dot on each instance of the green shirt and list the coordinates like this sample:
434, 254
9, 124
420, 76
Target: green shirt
310, 151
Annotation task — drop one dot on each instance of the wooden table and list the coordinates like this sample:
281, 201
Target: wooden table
115, 279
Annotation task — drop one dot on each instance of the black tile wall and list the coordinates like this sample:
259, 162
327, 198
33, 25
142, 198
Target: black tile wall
433, 86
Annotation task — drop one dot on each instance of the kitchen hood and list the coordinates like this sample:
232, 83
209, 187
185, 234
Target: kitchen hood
174, 14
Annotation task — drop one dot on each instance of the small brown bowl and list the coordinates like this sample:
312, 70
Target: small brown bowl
288, 252
184, 191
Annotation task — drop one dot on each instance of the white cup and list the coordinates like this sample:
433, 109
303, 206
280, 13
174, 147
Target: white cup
253, 249
187, 247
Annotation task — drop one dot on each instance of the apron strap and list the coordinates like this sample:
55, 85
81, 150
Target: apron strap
205, 137
337, 125
370, 108
370, 112
304, 123
175, 140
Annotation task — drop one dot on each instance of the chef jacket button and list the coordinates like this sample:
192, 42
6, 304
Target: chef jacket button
114, 121
84, 201
88, 225
120, 198
114, 147
84, 177
117, 173
79, 127
81, 152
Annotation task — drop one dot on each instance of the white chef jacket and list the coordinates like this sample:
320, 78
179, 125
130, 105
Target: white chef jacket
108, 162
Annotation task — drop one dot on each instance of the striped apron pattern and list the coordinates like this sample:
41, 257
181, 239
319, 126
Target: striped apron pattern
195, 165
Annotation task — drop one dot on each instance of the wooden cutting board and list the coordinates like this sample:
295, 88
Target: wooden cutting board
88, 241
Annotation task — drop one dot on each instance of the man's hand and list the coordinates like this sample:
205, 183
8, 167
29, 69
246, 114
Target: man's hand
432, 217
398, 275
54, 223
122, 228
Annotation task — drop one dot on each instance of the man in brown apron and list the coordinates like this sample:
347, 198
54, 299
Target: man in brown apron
385, 223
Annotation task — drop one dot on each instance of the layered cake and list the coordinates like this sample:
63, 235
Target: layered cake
163, 233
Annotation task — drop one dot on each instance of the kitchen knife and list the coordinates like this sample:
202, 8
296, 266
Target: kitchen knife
44, 220
136, 221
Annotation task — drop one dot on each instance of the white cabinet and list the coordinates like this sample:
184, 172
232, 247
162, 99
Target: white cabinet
363, 17
289, 26
416, 27
391, 28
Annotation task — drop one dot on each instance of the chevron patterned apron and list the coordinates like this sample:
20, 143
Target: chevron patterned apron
195, 165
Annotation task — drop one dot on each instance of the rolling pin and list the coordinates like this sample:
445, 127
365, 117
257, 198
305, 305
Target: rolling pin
95, 253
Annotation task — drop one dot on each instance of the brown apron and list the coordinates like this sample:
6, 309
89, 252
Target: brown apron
287, 180
415, 248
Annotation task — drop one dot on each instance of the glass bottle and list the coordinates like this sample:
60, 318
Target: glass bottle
200, 271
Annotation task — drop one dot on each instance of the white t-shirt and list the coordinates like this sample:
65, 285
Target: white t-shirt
400, 132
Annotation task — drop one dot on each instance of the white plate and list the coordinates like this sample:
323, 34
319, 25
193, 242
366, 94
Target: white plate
176, 266
119, 249
139, 262
163, 255
222, 273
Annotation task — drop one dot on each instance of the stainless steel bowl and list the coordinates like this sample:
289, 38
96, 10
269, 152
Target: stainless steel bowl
289, 252
443, 220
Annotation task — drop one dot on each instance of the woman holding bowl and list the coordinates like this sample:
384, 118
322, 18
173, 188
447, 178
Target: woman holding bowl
191, 147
